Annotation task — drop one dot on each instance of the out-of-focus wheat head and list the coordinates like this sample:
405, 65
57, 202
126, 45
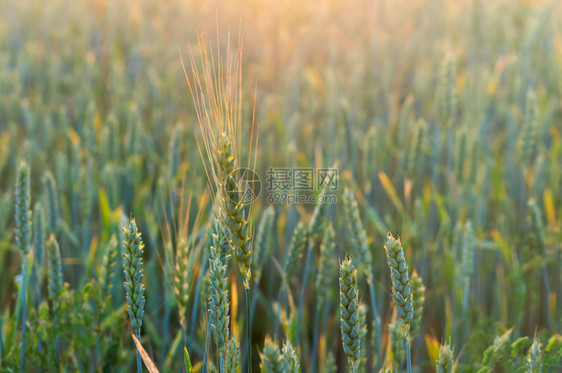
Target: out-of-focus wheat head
180, 248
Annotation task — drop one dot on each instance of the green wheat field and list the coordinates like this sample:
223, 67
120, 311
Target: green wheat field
280, 186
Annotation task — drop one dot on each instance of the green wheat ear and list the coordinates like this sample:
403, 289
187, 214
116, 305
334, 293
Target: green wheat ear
418, 292
272, 358
326, 267
52, 202
534, 358
401, 291
396, 342
22, 211
133, 248
296, 248
233, 209
469, 241
54, 273
448, 90
319, 215
38, 235
290, 357
358, 236
108, 267
218, 289
528, 132
261, 241
233, 353
181, 275
349, 313
446, 360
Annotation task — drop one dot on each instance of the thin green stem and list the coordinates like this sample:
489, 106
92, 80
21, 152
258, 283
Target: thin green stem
23, 313
249, 329
371, 285
139, 363
409, 358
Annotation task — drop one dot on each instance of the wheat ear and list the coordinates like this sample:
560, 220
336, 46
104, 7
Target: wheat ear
108, 267
22, 232
418, 292
218, 288
349, 314
133, 248
272, 358
401, 291
444, 364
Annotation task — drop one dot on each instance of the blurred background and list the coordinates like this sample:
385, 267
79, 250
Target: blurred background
420, 105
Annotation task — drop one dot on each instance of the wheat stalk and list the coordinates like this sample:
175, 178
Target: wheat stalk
22, 232
401, 291
418, 293
133, 248
296, 248
349, 314
528, 132
233, 351
107, 268
54, 274
38, 234
218, 288
444, 364
52, 202
534, 358
217, 95
290, 357
261, 241
272, 359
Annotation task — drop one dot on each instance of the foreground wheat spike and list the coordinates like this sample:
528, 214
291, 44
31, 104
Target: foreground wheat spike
22, 211
290, 357
418, 293
401, 291
534, 359
261, 241
272, 358
54, 274
296, 248
108, 267
218, 289
446, 359
349, 320
233, 208
133, 248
